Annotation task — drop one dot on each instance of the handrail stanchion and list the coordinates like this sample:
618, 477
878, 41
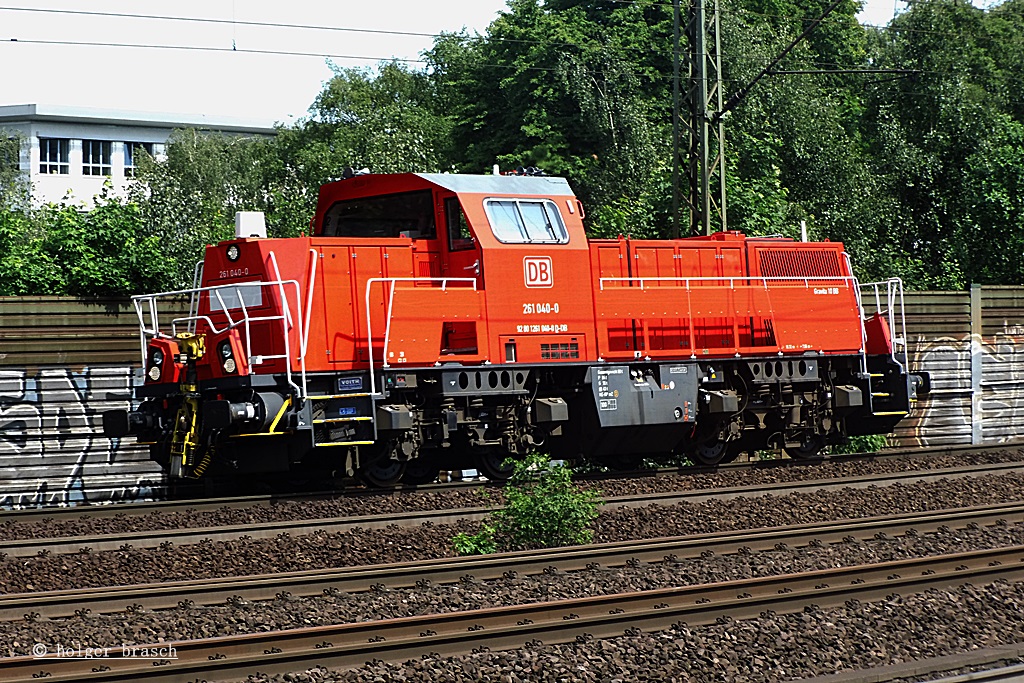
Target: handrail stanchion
369, 323
193, 304
309, 301
387, 325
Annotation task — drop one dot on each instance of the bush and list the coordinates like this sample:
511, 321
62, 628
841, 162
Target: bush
543, 509
868, 443
481, 543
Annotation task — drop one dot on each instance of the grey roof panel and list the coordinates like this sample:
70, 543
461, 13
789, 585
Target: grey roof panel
500, 184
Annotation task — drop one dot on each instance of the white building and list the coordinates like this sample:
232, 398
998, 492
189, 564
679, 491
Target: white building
69, 152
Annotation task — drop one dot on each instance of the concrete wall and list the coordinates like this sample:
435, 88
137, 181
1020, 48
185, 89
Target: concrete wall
63, 361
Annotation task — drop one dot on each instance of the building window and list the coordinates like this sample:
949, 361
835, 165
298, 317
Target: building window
95, 157
53, 156
131, 155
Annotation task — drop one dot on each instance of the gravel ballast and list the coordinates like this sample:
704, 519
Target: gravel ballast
356, 547
286, 612
774, 647
425, 500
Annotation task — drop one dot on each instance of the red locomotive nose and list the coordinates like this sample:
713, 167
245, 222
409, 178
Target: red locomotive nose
163, 362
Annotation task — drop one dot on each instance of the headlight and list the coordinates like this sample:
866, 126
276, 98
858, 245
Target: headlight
225, 349
154, 372
233, 253
229, 365
157, 356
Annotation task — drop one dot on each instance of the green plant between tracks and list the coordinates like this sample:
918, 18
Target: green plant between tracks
543, 508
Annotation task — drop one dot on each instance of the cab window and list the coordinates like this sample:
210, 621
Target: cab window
459, 237
526, 221
405, 214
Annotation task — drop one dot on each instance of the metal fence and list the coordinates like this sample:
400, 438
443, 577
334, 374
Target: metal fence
63, 361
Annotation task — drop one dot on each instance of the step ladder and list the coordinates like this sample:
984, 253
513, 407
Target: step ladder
884, 396
332, 412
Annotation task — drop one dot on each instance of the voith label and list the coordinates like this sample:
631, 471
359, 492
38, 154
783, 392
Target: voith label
537, 271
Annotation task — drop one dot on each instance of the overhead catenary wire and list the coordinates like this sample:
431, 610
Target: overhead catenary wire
416, 34
354, 57
290, 53
245, 22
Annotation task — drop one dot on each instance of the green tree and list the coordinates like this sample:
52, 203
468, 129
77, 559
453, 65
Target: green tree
569, 87
946, 143
103, 251
189, 199
14, 185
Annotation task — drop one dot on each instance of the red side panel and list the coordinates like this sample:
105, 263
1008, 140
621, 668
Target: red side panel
879, 338
813, 294
723, 296
610, 268
267, 318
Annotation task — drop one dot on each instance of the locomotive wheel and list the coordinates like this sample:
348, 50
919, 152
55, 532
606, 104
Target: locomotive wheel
711, 452
491, 462
383, 473
810, 448
421, 470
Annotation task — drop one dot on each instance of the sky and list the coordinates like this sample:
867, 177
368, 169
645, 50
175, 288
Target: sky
227, 77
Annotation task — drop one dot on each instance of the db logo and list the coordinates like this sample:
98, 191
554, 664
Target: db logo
537, 271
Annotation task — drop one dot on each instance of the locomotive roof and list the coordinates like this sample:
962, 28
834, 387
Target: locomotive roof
499, 184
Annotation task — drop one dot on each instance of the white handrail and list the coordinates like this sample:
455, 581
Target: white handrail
860, 316
152, 330
309, 297
197, 277
369, 323
894, 312
731, 278
288, 324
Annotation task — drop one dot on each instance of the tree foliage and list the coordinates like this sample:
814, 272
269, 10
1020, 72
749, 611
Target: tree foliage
61, 249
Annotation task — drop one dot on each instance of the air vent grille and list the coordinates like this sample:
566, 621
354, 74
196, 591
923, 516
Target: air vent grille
799, 263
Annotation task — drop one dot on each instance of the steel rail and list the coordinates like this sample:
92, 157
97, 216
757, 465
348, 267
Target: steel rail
169, 594
154, 538
102, 510
351, 645
940, 666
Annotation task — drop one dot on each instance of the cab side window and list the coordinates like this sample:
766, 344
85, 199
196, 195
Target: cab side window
526, 221
459, 237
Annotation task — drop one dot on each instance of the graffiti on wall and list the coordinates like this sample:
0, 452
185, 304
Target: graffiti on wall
947, 415
52, 451
1002, 393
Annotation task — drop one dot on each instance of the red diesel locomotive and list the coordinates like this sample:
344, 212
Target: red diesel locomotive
439, 321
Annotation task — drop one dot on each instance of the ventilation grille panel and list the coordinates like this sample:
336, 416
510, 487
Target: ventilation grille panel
799, 263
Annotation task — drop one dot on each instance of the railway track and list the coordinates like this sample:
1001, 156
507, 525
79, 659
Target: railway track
934, 669
240, 502
165, 595
349, 645
152, 539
